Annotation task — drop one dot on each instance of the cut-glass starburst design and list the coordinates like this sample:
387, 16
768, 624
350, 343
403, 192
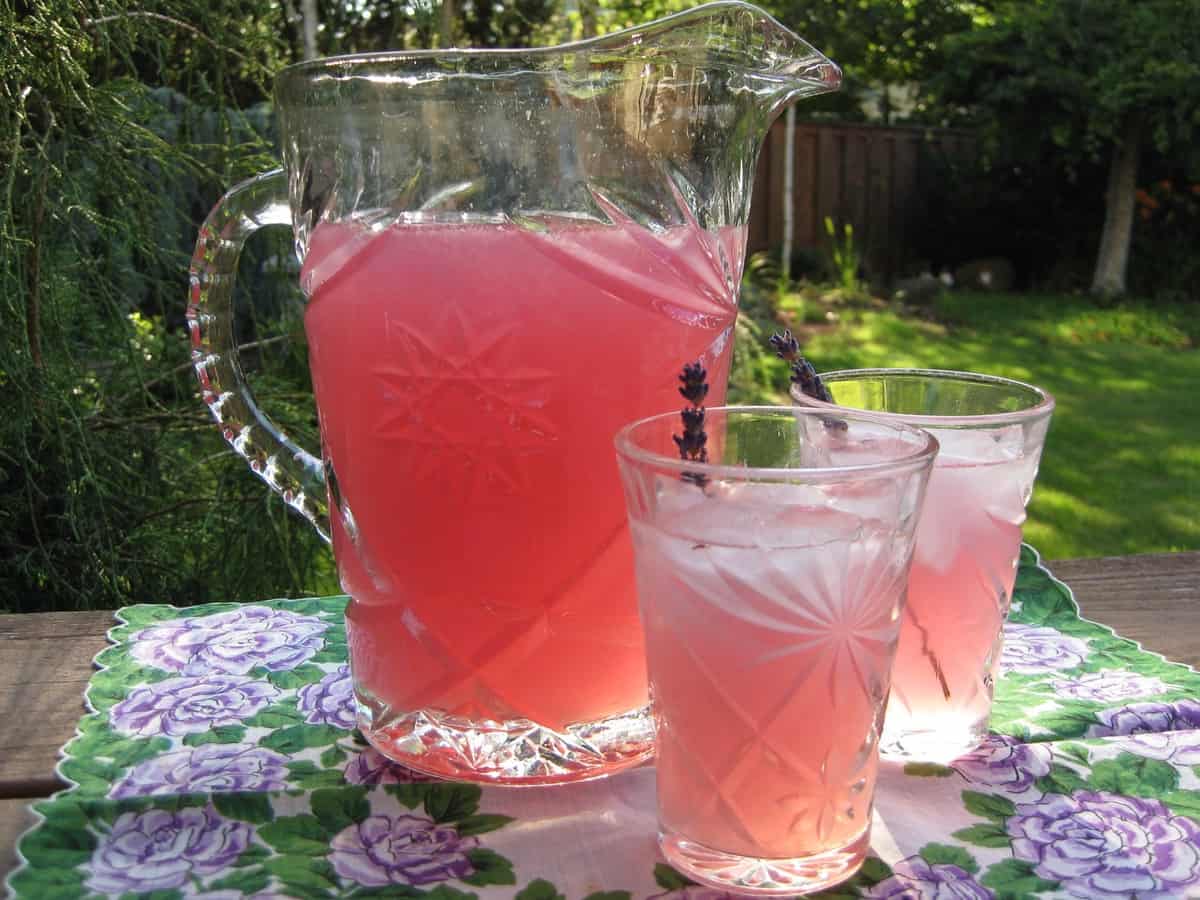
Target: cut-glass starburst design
463, 405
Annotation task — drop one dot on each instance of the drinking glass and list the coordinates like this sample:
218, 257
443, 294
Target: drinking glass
770, 585
991, 432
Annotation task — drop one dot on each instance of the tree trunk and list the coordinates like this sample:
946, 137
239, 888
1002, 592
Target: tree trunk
587, 18
789, 189
1113, 256
308, 12
446, 24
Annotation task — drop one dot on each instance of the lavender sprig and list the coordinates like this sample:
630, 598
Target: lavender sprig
693, 443
803, 374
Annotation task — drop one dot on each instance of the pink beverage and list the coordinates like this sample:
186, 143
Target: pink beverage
991, 432
469, 380
968, 543
769, 664
771, 594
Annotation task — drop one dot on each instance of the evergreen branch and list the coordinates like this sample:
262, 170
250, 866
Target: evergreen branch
178, 23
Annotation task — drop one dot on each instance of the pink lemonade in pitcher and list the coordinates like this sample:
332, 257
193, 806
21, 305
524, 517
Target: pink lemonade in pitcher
470, 379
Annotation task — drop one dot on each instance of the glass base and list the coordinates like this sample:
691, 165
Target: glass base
753, 875
518, 752
934, 745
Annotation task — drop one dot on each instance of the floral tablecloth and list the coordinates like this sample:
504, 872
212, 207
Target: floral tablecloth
220, 761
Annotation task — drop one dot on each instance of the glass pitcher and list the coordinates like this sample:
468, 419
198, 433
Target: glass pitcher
507, 254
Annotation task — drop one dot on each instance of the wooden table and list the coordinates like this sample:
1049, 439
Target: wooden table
45, 663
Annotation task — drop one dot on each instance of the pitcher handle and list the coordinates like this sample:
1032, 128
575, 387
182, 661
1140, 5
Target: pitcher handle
290, 470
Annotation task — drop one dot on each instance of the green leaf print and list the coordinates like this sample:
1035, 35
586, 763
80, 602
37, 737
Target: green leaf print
944, 854
540, 889
246, 807
1183, 803
451, 802
1060, 780
277, 716
410, 795
983, 836
48, 884
297, 677
1134, 775
988, 806
1045, 601
1078, 752
297, 834
248, 881
290, 741
339, 808
927, 770
306, 774
304, 875
94, 776
1068, 722
144, 614
252, 856
490, 868
481, 824
667, 878
53, 846
332, 757
222, 734
1012, 879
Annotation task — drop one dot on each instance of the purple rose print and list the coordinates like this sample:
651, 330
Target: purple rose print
156, 850
404, 849
230, 643
371, 767
1103, 845
1032, 649
208, 768
1106, 687
330, 701
1005, 764
1154, 717
187, 705
1179, 747
915, 879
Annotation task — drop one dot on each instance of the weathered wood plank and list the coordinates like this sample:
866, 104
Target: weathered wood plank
1152, 598
15, 818
45, 664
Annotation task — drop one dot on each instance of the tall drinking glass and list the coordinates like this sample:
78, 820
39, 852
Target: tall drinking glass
770, 587
991, 432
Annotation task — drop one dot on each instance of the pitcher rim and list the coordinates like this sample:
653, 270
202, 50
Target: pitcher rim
308, 66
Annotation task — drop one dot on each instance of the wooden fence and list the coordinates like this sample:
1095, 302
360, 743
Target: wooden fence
868, 175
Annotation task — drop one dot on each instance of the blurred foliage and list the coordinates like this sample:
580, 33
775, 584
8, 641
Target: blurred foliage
1057, 89
119, 123
122, 122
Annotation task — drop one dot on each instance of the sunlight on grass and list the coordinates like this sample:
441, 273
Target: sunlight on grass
1121, 469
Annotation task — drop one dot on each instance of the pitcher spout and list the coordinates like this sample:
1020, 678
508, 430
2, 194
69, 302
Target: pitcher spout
736, 44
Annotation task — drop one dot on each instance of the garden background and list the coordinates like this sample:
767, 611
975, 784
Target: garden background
1069, 230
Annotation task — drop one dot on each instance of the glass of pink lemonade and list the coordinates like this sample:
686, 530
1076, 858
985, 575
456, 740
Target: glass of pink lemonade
991, 432
770, 587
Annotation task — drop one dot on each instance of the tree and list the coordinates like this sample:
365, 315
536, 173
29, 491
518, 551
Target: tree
1104, 80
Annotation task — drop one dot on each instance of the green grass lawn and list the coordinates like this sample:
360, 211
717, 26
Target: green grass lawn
1121, 470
